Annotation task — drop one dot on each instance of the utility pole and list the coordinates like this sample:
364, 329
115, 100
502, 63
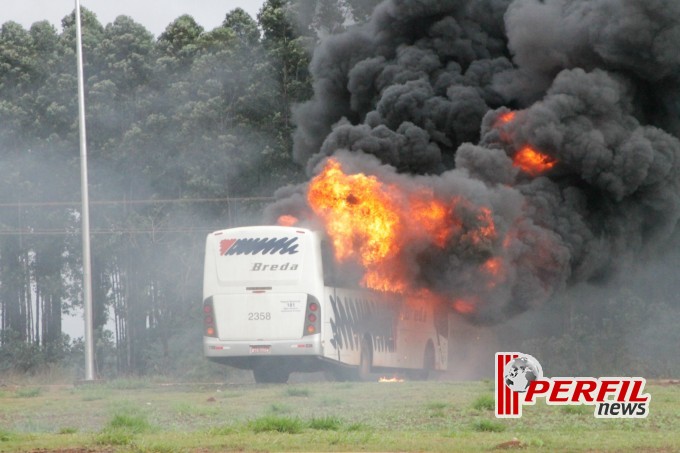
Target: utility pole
85, 209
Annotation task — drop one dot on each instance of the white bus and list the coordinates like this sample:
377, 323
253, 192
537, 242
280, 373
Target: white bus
271, 305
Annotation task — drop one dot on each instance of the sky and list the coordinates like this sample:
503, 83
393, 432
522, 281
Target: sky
155, 15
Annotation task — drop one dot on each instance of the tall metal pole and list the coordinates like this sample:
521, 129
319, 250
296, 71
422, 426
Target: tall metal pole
85, 214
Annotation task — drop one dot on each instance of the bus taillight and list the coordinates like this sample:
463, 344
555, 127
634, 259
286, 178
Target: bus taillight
208, 318
312, 322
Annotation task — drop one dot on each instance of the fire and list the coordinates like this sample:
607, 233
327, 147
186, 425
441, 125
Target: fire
338, 198
463, 306
373, 222
396, 234
506, 118
493, 266
486, 229
533, 162
501, 121
432, 214
383, 227
392, 379
495, 271
527, 159
287, 220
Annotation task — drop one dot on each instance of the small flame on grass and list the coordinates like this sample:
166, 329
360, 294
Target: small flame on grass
392, 379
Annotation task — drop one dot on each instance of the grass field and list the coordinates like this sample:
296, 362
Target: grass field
144, 416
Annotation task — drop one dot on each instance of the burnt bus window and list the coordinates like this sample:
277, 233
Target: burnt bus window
343, 275
328, 264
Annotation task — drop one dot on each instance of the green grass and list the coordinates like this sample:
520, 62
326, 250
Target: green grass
29, 392
436, 405
279, 408
91, 393
357, 427
329, 422
279, 424
294, 391
577, 410
196, 410
6, 436
485, 402
485, 425
222, 430
436, 416
330, 402
135, 424
128, 384
122, 429
437, 409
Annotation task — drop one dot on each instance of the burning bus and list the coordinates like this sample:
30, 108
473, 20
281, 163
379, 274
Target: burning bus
274, 303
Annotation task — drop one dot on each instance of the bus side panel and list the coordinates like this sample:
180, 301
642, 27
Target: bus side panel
441, 344
339, 332
398, 331
353, 316
442, 351
420, 323
412, 336
331, 351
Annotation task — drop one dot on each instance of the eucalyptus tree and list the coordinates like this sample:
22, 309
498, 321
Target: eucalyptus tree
35, 166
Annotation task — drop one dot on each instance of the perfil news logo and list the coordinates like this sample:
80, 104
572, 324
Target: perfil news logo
520, 380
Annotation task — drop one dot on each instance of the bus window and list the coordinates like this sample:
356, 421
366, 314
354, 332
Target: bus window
341, 275
328, 264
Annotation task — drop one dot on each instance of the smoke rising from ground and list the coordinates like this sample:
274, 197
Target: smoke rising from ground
426, 87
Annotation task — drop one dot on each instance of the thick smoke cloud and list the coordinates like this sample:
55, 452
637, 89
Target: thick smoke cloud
636, 38
421, 69
423, 89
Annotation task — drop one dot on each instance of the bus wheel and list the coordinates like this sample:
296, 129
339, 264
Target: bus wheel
366, 360
270, 375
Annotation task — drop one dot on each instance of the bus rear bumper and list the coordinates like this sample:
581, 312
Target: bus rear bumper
307, 346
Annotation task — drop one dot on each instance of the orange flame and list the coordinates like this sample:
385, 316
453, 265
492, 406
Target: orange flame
486, 229
392, 379
501, 121
375, 223
463, 306
341, 199
533, 162
371, 222
493, 266
287, 220
505, 118
495, 271
527, 159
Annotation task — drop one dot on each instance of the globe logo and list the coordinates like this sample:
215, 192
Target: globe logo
520, 371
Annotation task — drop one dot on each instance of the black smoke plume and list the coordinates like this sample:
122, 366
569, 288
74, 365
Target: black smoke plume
423, 89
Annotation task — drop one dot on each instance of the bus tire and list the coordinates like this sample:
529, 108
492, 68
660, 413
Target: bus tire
366, 359
270, 375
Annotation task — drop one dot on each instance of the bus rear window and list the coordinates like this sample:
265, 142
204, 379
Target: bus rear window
259, 260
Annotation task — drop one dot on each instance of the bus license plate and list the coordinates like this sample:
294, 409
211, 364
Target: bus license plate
260, 349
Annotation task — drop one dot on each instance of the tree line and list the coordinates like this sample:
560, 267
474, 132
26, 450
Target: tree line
187, 132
